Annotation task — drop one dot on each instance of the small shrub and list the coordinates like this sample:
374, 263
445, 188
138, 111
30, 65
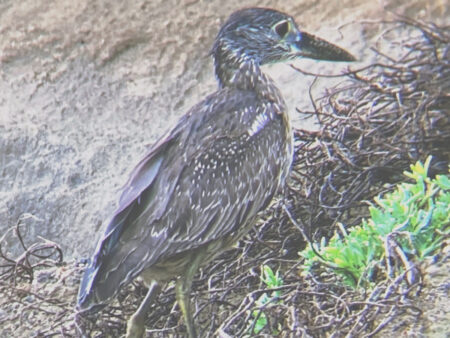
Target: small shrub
409, 223
271, 280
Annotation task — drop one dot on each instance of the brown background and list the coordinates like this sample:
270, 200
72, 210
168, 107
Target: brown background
86, 86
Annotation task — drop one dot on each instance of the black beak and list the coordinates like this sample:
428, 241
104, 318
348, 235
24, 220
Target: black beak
312, 47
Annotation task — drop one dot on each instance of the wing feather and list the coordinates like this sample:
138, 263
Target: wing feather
203, 181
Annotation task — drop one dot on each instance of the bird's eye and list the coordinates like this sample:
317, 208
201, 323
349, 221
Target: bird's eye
282, 28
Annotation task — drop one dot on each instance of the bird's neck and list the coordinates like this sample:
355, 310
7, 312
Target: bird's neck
246, 74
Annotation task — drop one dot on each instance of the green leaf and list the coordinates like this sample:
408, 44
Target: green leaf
411, 214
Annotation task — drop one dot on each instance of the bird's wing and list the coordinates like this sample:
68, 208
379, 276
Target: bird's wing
140, 184
202, 182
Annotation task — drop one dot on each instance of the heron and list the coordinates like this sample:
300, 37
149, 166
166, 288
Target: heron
199, 188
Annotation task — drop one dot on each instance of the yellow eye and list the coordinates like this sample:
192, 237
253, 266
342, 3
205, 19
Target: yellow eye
282, 28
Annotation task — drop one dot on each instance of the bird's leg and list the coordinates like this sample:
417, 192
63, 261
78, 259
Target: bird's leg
183, 292
136, 324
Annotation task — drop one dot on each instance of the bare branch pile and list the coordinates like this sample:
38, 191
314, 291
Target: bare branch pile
383, 118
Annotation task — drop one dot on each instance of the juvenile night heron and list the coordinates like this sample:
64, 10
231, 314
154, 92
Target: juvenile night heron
199, 189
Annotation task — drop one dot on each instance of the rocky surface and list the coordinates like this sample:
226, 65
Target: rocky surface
87, 86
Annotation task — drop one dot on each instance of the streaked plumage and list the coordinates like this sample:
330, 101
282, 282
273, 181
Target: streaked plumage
199, 188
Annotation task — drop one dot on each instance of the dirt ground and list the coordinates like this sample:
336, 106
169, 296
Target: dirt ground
86, 86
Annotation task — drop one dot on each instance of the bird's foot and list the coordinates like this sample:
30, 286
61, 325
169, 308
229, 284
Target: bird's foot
135, 327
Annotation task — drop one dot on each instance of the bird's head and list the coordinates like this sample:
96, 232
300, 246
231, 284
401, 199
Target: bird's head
266, 36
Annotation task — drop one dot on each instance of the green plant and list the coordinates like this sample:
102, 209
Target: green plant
409, 223
271, 280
